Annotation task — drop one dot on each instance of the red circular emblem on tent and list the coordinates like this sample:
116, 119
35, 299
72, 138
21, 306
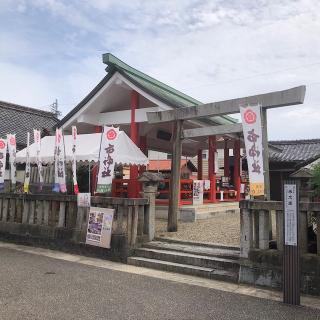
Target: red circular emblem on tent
12, 141
250, 116
2, 144
111, 134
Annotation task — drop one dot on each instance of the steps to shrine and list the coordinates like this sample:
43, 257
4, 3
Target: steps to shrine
209, 261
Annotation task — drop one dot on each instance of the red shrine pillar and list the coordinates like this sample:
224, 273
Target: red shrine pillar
237, 173
211, 168
226, 159
200, 164
97, 129
133, 188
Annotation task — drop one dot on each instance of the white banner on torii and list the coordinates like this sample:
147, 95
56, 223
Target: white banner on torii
252, 133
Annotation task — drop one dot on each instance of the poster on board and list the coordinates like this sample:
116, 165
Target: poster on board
197, 192
99, 227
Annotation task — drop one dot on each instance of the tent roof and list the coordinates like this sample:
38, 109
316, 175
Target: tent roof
88, 147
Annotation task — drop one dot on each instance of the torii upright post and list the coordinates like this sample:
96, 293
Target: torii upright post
175, 177
265, 154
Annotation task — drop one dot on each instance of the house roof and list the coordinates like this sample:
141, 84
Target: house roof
152, 86
20, 120
299, 151
165, 165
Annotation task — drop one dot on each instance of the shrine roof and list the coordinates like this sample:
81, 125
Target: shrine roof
152, 86
300, 151
157, 88
19, 120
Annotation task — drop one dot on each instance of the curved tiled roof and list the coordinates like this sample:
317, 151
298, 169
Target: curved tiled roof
295, 150
20, 120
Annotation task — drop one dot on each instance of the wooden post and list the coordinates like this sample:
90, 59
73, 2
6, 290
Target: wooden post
62, 215
236, 168
200, 171
175, 177
211, 168
265, 153
291, 252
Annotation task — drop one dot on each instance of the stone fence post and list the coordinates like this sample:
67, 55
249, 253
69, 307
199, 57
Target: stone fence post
150, 183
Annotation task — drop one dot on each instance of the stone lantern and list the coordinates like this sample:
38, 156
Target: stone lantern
150, 183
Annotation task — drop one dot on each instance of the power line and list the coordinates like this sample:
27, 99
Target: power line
255, 75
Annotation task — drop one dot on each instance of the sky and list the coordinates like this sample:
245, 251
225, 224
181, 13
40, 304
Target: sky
211, 50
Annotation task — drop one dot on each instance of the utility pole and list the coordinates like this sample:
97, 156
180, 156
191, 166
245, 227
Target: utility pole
54, 109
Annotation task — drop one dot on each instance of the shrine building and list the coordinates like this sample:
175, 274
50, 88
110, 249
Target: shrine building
123, 98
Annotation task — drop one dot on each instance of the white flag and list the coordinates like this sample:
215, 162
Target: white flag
28, 169
108, 149
37, 140
3, 158
252, 133
60, 172
74, 159
12, 148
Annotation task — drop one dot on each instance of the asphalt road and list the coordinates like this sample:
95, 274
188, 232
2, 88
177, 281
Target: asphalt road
38, 287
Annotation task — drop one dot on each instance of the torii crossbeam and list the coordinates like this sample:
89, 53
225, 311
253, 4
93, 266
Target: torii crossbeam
276, 99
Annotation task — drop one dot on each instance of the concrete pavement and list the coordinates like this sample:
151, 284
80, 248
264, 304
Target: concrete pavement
43, 284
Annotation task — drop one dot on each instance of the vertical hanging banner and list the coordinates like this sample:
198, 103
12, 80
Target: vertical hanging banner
56, 178
59, 163
37, 140
3, 158
108, 149
12, 148
74, 159
28, 169
197, 192
252, 133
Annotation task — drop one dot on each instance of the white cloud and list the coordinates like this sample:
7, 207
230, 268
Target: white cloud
212, 50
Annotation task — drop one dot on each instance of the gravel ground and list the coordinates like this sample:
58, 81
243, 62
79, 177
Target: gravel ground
223, 228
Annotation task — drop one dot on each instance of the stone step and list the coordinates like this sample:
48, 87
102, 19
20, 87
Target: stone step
210, 273
198, 243
210, 251
189, 259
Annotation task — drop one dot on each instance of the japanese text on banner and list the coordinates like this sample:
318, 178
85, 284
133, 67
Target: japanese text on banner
59, 163
252, 133
37, 140
74, 159
28, 169
3, 158
108, 149
12, 148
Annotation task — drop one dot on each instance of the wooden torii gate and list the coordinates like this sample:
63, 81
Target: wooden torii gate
270, 100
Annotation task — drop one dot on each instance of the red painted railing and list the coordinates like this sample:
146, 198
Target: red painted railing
120, 189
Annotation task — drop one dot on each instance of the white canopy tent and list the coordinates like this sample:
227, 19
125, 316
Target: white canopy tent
88, 147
